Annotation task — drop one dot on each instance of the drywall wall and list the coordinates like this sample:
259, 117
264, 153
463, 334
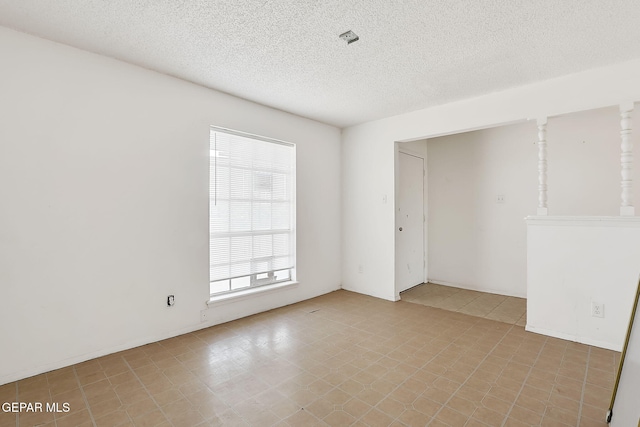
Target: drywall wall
368, 157
369, 198
584, 162
575, 261
479, 242
104, 190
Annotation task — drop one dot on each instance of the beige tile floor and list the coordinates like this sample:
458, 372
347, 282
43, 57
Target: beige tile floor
340, 359
490, 306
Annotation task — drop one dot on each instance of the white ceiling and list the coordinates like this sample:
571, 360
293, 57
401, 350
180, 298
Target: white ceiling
411, 54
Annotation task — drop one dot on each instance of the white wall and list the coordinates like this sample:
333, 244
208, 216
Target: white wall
584, 163
574, 261
104, 192
368, 157
368, 216
477, 243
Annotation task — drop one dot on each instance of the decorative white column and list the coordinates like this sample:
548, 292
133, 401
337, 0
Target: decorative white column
626, 160
542, 166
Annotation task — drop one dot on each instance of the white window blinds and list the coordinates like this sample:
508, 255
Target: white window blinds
251, 215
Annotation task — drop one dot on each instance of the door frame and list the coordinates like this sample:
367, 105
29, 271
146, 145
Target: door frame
410, 149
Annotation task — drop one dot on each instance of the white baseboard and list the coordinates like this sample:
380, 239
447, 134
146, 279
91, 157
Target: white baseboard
569, 337
384, 297
58, 364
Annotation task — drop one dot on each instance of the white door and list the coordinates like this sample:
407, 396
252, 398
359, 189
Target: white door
410, 262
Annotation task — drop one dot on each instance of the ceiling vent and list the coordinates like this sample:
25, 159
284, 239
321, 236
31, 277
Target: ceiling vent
349, 36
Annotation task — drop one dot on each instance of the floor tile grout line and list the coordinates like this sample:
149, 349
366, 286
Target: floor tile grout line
506, 418
273, 386
206, 385
475, 299
400, 358
379, 358
424, 300
84, 397
46, 377
498, 306
454, 294
55, 420
473, 372
584, 386
302, 407
203, 383
432, 358
400, 385
586, 366
337, 387
147, 390
18, 414
394, 389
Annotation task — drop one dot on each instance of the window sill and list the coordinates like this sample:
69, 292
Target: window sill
249, 293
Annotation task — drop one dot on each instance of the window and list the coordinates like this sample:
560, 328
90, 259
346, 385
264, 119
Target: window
251, 211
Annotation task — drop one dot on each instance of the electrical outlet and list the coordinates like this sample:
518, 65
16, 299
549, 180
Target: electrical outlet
171, 300
500, 198
360, 269
204, 316
597, 309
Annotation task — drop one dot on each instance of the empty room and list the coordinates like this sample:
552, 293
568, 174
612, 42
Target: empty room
318, 213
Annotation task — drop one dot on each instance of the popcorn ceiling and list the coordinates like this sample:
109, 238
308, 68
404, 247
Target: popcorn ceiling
286, 54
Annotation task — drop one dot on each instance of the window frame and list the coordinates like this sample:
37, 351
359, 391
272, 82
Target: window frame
255, 282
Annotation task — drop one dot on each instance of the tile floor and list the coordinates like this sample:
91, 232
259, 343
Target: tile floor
340, 359
490, 306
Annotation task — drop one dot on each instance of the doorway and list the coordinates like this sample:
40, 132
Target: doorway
410, 242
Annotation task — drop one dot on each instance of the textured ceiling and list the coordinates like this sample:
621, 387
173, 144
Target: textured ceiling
286, 54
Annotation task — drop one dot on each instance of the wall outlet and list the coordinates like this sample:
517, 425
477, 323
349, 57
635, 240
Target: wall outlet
360, 269
500, 198
597, 309
204, 316
171, 300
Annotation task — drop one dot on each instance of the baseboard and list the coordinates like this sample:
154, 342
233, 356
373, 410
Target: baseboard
574, 338
470, 288
139, 342
384, 297
99, 353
